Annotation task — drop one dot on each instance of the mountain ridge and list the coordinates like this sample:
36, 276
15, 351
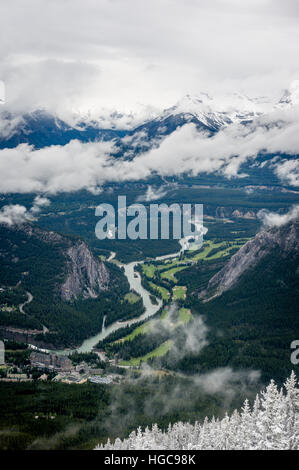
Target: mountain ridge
284, 238
86, 275
41, 128
70, 287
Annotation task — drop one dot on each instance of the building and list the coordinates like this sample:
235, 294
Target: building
50, 361
16, 378
97, 379
83, 366
96, 371
70, 378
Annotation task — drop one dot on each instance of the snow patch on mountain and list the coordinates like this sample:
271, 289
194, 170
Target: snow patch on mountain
290, 96
219, 111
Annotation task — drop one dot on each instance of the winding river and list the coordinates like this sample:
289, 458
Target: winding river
134, 280
150, 309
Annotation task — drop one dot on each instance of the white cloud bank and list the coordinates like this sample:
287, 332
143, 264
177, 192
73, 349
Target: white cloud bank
65, 55
288, 171
15, 214
77, 165
55, 169
273, 219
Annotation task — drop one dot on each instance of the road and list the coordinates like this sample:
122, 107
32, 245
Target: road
29, 299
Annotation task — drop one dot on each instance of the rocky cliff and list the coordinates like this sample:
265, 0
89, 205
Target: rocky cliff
86, 275
79, 272
284, 238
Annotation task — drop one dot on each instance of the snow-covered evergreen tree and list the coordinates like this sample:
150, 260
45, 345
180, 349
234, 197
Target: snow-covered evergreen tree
272, 423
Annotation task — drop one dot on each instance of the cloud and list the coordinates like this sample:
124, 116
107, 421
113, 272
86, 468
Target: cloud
57, 85
78, 165
89, 55
38, 203
138, 138
288, 172
57, 168
177, 395
152, 194
190, 151
15, 214
180, 391
75, 56
2, 92
272, 219
188, 338
225, 379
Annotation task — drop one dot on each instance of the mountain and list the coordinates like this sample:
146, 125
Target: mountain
85, 275
196, 109
214, 113
290, 96
282, 240
249, 306
54, 282
208, 115
42, 129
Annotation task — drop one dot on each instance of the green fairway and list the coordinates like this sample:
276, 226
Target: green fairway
164, 314
170, 275
184, 315
179, 292
164, 292
149, 269
158, 352
132, 298
208, 246
169, 268
138, 331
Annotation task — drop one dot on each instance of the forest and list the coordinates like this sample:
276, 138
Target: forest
39, 268
96, 412
271, 423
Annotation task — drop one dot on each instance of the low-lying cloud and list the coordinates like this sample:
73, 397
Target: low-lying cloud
57, 168
273, 219
78, 165
224, 380
153, 194
193, 335
288, 172
181, 392
15, 214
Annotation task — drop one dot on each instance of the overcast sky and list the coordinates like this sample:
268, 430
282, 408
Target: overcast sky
89, 54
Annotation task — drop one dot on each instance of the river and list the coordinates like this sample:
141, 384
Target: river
134, 280
150, 309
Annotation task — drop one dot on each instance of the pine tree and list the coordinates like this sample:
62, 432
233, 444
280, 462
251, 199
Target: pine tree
273, 423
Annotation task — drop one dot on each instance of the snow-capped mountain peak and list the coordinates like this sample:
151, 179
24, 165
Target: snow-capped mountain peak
192, 104
219, 111
42, 128
290, 96
202, 107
